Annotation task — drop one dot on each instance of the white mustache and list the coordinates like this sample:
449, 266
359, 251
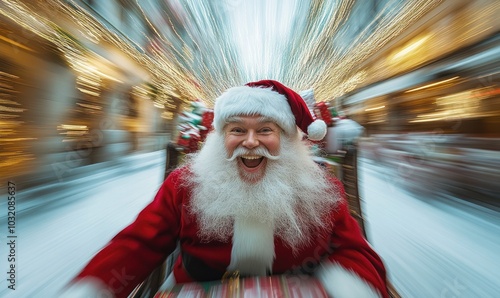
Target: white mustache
240, 151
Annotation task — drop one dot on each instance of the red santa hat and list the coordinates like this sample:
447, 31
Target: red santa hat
270, 99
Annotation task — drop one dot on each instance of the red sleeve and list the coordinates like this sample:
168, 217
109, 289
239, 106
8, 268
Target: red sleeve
352, 251
143, 245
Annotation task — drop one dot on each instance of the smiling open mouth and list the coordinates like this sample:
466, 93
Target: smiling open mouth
252, 161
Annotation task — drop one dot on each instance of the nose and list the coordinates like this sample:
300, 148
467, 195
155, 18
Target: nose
251, 140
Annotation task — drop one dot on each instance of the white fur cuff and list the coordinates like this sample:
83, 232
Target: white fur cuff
342, 283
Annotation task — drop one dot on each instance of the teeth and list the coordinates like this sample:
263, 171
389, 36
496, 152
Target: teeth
251, 156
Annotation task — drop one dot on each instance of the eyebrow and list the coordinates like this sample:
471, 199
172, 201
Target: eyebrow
238, 119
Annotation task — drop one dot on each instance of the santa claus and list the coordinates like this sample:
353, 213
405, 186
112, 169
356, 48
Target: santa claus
251, 201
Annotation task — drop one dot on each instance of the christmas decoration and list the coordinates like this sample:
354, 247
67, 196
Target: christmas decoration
194, 125
321, 109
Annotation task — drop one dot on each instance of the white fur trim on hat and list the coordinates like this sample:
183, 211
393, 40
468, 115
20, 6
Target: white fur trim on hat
246, 101
342, 283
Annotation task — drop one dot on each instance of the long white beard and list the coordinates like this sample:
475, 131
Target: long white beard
292, 198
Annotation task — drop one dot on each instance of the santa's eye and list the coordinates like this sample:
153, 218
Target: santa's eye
265, 130
236, 130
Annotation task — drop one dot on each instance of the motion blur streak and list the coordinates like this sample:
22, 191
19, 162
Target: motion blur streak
91, 93
60, 231
318, 52
435, 245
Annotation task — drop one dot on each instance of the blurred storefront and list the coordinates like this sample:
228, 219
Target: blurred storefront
430, 103
444, 75
68, 102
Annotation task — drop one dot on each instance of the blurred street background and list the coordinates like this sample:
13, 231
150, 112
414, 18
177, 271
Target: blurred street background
93, 92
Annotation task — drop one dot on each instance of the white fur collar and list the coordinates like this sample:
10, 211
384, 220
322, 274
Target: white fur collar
253, 247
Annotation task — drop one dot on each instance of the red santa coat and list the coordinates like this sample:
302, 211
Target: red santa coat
142, 246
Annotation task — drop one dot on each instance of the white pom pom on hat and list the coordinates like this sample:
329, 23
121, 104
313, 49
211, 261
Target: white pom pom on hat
316, 130
270, 99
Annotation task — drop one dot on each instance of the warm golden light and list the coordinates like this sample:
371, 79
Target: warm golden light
410, 48
432, 84
374, 109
